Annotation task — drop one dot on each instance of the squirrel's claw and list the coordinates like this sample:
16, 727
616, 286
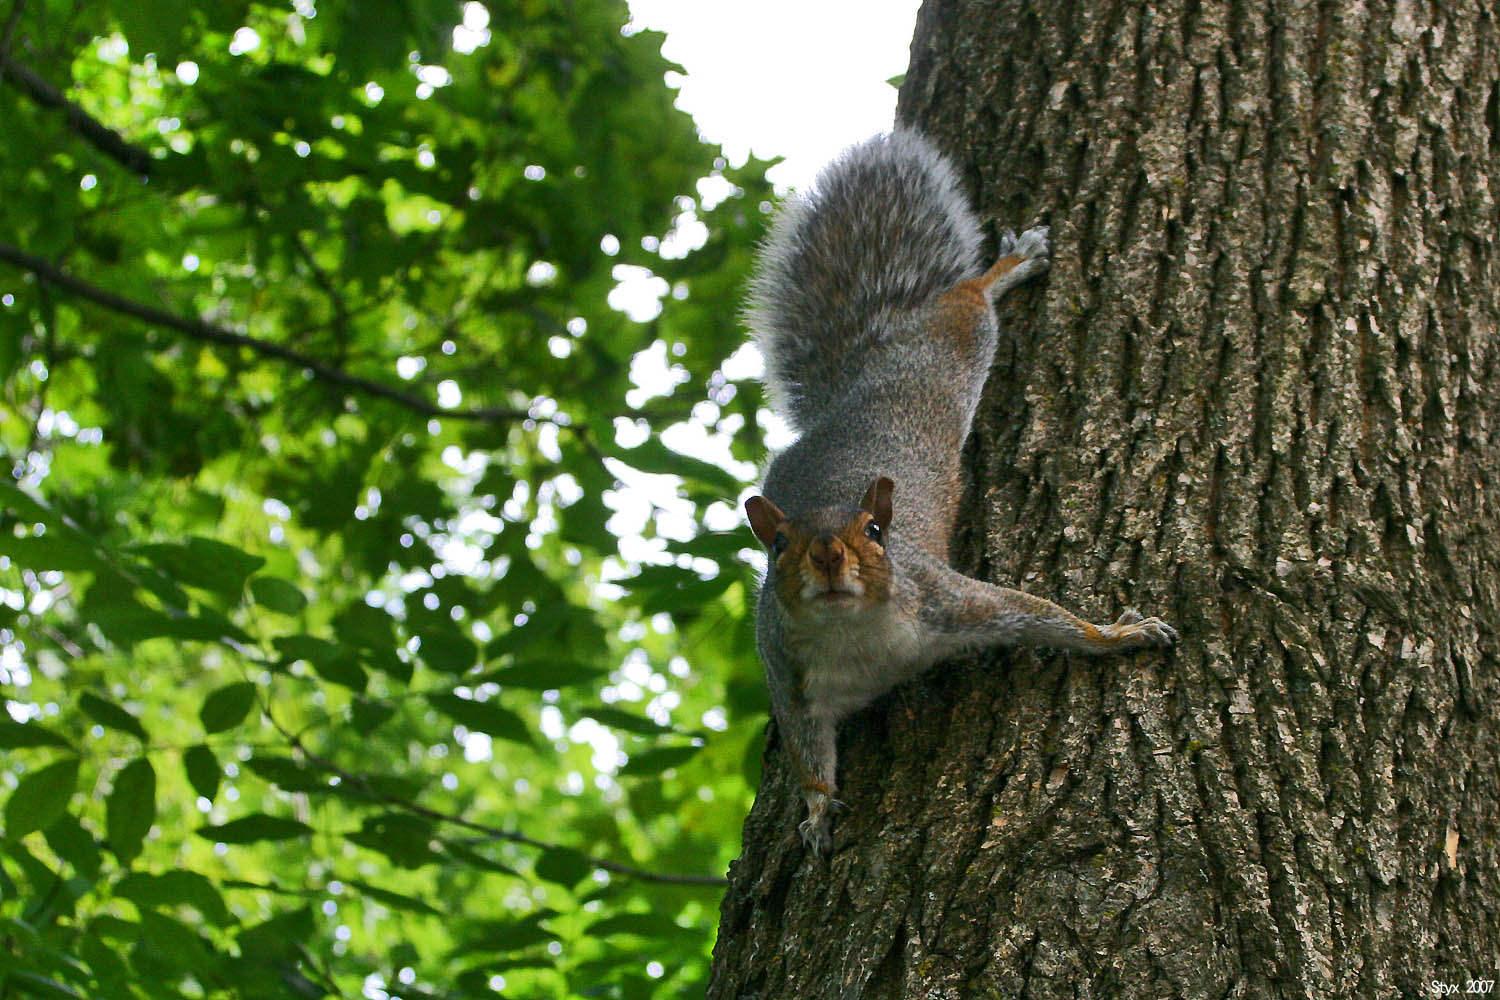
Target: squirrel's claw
815, 835
1131, 629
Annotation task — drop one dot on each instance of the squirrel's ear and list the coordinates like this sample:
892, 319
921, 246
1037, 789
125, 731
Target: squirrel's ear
878, 501
764, 517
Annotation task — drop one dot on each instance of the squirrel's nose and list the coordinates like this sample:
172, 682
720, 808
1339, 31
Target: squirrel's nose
826, 553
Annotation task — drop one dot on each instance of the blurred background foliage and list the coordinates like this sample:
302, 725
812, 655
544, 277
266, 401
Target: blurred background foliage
373, 600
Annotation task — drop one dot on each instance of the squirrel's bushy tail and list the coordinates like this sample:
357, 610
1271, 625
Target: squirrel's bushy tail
884, 228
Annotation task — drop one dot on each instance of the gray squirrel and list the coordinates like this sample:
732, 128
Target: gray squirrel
875, 318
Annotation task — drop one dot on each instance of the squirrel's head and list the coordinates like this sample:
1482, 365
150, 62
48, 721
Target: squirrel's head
831, 559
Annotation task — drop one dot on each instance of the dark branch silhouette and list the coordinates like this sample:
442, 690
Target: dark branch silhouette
136, 159
202, 330
488, 832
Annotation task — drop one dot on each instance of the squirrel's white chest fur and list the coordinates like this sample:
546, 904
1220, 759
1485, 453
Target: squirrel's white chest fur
847, 660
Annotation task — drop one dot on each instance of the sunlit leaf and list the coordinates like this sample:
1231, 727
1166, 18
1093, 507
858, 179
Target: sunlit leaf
176, 888
74, 844
14, 735
393, 899
40, 797
203, 771
256, 826
204, 562
31, 984
617, 718
130, 808
110, 715
563, 866
226, 707
405, 839
487, 717
545, 675
658, 759
447, 651
366, 714
277, 594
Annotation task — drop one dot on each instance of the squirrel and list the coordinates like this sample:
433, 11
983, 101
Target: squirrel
875, 319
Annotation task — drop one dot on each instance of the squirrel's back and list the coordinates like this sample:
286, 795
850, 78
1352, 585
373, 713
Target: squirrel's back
884, 229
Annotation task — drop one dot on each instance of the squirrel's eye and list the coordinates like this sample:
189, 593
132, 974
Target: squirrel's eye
873, 532
778, 544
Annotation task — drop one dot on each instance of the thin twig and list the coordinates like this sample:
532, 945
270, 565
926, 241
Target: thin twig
201, 330
492, 832
322, 279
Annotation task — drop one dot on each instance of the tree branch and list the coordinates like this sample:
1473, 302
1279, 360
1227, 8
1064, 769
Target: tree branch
490, 832
201, 330
136, 159
9, 33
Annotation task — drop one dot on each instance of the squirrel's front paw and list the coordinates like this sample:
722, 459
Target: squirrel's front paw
1033, 247
1130, 629
1034, 244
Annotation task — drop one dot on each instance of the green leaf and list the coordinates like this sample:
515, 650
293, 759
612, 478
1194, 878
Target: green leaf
111, 716
279, 939
287, 774
254, 827
617, 718
344, 671
227, 706
364, 627
31, 984
447, 651
655, 457
156, 27
394, 900
205, 563
40, 798
277, 594
546, 675
488, 717
130, 808
367, 714
474, 859
647, 924
332, 661
104, 964
657, 760
203, 771
14, 735
307, 647
499, 937
74, 844
564, 866
172, 942
176, 888
53, 550
405, 839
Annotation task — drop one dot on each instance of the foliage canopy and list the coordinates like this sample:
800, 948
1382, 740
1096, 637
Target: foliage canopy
337, 660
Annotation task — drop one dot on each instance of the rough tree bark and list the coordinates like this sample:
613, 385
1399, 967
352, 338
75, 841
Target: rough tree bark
1258, 395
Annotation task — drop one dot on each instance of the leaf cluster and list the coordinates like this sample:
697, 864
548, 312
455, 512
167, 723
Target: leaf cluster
362, 632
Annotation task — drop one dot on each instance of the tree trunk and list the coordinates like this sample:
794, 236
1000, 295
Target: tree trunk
1257, 395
